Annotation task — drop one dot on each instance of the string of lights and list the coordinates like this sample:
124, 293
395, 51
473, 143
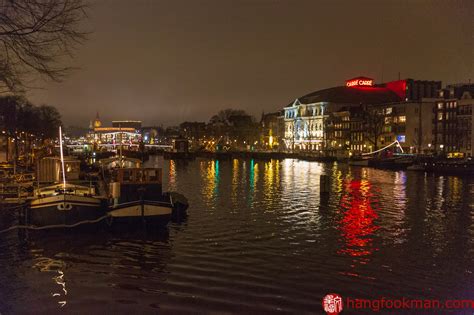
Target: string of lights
394, 142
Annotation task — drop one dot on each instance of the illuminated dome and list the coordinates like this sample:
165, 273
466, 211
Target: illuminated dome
97, 122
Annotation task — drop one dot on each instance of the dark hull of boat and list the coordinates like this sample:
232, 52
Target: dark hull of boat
450, 168
359, 162
178, 155
139, 213
65, 211
391, 164
180, 205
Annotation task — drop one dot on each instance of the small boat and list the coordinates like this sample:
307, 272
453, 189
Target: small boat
416, 167
392, 163
358, 162
137, 197
455, 167
180, 205
136, 194
65, 205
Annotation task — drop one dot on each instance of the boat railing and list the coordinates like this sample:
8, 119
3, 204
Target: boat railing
80, 187
14, 190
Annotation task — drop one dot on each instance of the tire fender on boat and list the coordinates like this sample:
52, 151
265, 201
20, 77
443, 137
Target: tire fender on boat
64, 206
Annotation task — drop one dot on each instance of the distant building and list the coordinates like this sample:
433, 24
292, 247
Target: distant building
271, 130
453, 120
136, 124
193, 130
152, 135
127, 132
416, 90
332, 120
344, 132
305, 118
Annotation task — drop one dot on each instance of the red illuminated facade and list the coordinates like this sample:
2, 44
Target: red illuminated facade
398, 87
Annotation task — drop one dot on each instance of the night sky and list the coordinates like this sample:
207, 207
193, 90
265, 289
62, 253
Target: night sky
165, 62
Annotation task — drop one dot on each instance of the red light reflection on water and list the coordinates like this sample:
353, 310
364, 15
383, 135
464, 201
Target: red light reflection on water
357, 225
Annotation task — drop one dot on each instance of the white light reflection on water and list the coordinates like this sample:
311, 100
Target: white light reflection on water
45, 264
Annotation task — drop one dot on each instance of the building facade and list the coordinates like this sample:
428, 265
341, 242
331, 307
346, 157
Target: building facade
362, 116
307, 117
453, 121
271, 131
126, 132
304, 126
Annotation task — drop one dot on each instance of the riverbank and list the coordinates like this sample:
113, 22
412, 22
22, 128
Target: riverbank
249, 155
406, 162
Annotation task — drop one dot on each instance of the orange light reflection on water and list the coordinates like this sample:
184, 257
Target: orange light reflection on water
172, 175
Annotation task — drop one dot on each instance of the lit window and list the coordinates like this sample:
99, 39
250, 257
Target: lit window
440, 116
440, 105
402, 119
388, 110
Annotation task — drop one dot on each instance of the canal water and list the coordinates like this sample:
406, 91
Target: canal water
259, 238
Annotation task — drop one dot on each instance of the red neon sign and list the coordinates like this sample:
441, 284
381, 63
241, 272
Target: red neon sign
359, 82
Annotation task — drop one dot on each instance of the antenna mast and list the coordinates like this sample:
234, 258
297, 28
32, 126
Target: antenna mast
62, 156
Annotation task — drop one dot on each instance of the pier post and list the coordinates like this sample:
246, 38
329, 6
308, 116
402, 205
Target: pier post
324, 184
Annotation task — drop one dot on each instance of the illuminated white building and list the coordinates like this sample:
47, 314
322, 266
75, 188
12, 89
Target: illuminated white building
127, 132
304, 126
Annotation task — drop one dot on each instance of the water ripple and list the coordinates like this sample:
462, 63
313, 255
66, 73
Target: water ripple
259, 238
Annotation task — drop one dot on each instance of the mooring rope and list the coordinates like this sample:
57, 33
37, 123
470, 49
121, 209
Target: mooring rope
32, 227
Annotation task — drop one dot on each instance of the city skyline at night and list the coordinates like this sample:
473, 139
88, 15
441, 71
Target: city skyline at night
172, 62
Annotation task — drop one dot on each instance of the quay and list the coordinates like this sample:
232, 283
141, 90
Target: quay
429, 164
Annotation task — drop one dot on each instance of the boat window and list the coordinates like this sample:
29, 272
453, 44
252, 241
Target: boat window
140, 176
127, 175
153, 176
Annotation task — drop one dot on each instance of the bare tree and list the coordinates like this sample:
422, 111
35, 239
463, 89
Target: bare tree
223, 116
35, 35
374, 120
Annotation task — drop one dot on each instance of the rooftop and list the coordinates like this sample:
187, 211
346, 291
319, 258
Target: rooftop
351, 95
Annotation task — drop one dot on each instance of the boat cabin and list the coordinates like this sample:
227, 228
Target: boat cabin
138, 175
131, 184
50, 170
124, 162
